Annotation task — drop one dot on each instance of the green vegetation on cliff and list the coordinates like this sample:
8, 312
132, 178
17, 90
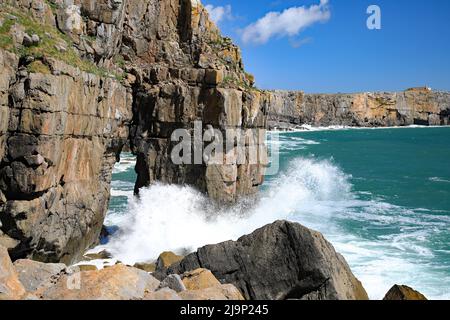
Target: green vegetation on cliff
52, 42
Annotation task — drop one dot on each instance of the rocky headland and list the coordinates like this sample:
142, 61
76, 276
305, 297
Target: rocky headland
82, 80
416, 106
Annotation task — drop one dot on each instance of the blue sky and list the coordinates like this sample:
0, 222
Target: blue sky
325, 45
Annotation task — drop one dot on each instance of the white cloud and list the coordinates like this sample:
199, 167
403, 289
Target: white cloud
299, 43
288, 23
220, 13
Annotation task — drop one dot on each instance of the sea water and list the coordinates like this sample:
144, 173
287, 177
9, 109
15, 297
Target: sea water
380, 196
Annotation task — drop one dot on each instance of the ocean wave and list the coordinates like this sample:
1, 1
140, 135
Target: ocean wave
316, 193
438, 179
310, 128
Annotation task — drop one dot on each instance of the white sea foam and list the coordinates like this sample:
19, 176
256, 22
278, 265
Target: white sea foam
315, 193
438, 179
127, 162
307, 127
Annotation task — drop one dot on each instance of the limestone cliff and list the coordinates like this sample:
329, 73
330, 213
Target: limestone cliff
79, 80
421, 106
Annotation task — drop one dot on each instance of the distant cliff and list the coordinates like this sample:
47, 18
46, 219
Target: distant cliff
420, 106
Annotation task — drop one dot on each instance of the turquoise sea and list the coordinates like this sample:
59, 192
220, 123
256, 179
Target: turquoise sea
380, 196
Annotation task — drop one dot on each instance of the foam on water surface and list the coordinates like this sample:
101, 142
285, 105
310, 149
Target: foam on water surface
384, 243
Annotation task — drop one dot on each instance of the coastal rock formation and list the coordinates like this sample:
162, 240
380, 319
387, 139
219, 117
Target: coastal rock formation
280, 261
419, 106
399, 292
102, 75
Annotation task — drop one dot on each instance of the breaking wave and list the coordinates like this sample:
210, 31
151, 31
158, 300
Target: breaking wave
316, 193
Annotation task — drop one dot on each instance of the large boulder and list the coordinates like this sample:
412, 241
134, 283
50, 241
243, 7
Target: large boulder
10, 286
283, 260
33, 274
114, 283
400, 292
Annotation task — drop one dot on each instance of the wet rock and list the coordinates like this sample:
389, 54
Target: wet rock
282, 260
399, 292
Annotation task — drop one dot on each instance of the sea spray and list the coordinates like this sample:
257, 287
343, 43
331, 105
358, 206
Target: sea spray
179, 218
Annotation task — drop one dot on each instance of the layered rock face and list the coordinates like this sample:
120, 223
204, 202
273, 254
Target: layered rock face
62, 134
280, 261
97, 75
192, 74
419, 106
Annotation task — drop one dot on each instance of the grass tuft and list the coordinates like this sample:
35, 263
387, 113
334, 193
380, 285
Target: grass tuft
51, 40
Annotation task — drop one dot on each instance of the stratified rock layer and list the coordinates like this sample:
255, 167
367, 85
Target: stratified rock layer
105, 74
420, 106
280, 261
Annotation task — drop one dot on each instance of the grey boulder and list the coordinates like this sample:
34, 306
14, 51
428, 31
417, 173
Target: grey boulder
283, 260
